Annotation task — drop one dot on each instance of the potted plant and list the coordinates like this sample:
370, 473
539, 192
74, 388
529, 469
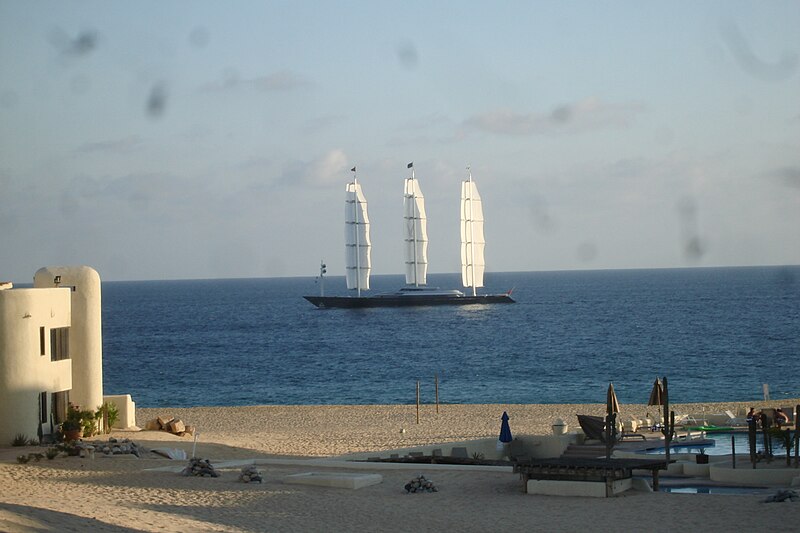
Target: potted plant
78, 424
72, 429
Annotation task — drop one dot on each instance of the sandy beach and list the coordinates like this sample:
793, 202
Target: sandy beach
120, 493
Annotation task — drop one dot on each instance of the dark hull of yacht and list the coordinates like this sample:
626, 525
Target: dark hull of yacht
406, 300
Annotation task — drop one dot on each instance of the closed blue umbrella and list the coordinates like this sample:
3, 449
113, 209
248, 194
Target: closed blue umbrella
505, 430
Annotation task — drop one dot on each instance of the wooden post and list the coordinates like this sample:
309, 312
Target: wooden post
669, 422
611, 421
796, 444
751, 440
796, 436
765, 425
436, 380
417, 401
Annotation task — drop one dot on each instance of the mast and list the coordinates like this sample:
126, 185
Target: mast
472, 235
323, 269
472, 241
415, 235
414, 215
355, 232
357, 242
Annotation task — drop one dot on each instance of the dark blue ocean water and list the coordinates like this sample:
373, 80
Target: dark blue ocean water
717, 333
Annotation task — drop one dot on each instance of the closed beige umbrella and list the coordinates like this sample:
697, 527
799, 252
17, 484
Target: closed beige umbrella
612, 405
612, 408
657, 397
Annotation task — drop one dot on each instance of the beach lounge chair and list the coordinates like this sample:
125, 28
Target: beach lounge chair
594, 427
685, 420
632, 436
734, 420
633, 423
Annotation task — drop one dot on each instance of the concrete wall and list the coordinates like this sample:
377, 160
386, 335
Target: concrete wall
534, 446
592, 489
745, 474
24, 371
126, 409
85, 337
546, 446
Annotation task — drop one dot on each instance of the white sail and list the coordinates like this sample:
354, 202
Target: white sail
356, 238
415, 234
472, 241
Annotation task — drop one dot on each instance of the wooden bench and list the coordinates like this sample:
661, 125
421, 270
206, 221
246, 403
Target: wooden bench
587, 469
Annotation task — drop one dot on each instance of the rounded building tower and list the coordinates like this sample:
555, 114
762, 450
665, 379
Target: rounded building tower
85, 336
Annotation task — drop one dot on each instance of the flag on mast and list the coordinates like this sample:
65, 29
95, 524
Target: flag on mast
410, 165
353, 169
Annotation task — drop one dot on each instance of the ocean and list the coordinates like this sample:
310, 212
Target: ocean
718, 334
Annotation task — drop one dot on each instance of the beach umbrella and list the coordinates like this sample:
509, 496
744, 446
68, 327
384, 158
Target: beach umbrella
612, 405
505, 430
657, 396
612, 408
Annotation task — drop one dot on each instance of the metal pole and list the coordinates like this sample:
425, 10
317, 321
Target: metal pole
414, 218
436, 380
322, 270
417, 401
733, 451
471, 235
751, 440
669, 423
796, 436
355, 234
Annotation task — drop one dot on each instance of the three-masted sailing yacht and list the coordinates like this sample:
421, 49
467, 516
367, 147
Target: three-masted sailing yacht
416, 292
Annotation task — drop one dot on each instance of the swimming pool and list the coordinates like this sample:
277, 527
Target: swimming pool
722, 445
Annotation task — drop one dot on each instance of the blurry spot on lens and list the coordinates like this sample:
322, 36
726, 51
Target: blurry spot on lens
157, 100
407, 55
199, 37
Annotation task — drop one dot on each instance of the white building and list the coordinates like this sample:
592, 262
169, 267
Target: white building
51, 352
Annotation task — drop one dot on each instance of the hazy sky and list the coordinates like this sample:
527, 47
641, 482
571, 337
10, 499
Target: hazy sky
166, 140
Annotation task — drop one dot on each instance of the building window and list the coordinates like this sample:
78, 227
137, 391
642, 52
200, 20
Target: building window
43, 407
59, 344
41, 341
59, 408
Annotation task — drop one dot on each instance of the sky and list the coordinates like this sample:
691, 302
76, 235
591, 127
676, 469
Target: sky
205, 139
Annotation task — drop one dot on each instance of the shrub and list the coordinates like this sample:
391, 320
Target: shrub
111, 414
22, 459
85, 420
20, 440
